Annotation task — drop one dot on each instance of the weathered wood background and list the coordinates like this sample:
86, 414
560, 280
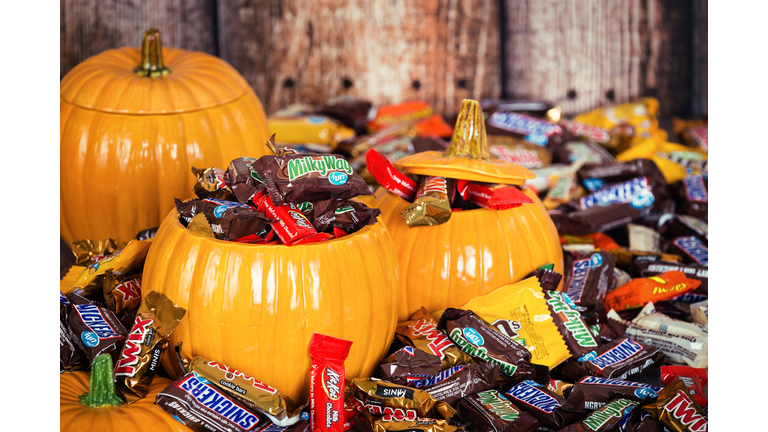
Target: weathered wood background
578, 54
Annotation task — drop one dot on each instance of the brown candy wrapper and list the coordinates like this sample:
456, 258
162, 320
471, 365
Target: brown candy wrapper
69, 355
229, 220
677, 410
95, 330
612, 417
482, 341
280, 409
489, 411
309, 177
421, 332
587, 279
156, 319
213, 183
459, 381
618, 359
88, 252
245, 181
122, 292
432, 205
409, 363
539, 401
575, 332
352, 216
393, 401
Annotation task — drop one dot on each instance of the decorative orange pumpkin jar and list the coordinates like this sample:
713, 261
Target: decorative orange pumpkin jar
476, 251
255, 307
133, 122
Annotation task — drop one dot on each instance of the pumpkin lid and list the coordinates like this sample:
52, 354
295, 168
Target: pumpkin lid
112, 81
467, 156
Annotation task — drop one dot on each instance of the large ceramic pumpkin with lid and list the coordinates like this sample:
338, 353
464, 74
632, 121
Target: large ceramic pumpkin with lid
133, 121
476, 251
255, 307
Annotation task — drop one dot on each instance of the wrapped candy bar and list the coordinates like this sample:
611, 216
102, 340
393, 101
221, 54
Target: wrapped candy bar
493, 196
432, 205
213, 183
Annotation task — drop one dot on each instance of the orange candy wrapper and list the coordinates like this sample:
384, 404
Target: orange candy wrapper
640, 291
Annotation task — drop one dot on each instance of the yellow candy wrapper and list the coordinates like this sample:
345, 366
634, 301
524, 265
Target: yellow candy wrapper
675, 161
318, 132
65, 285
641, 115
125, 261
520, 311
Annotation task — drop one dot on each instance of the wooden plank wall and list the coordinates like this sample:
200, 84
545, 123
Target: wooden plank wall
579, 54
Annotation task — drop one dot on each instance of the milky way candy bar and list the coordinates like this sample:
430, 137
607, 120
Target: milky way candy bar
352, 216
201, 406
575, 332
612, 417
245, 181
592, 393
309, 177
140, 358
459, 381
483, 342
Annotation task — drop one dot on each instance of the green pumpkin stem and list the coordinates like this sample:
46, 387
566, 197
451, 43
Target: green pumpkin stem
101, 391
469, 140
151, 56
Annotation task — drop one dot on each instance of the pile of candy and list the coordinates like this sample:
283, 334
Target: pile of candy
297, 198
623, 346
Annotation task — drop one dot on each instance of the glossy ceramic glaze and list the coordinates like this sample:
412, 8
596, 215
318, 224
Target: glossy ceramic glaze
127, 143
255, 307
434, 163
472, 254
140, 416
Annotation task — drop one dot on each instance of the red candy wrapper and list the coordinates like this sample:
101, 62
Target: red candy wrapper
292, 227
492, 196
389, 177
694, 378
326, 385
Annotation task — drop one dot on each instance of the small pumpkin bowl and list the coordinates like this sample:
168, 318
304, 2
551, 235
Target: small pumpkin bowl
255, 307
472, 254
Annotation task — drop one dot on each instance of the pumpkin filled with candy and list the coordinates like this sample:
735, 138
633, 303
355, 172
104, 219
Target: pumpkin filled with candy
482, 227
273, 250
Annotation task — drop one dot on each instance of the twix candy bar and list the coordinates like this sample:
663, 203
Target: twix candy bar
326, 385
421, 332
280, 409
156, 319
432, 205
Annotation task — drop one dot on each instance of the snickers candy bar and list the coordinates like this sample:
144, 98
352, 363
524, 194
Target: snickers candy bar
459, 381
421, 332
489, 411
212, 183
594, 177
409, 363
690, 249
618, 359
533, 130
538, 401
397, 402
482, 341
309, 177
587, 279
156, 319
612, 417
677, 410
592, 393
267, 400
69, 354
96, 330
577, 335
643, 268
692, 197
201, 406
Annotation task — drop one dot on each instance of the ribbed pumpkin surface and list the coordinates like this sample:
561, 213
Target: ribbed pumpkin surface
255, 307
472, 254
127, 143
139, 416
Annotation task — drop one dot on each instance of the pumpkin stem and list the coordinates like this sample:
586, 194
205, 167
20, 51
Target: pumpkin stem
151, 56
101, 391
469, 140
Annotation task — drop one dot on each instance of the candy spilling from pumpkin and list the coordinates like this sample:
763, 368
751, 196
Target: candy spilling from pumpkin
613, 337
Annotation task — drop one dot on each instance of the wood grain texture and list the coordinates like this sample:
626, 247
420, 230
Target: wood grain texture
587, 53
700, 58
440, 51
89, 27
